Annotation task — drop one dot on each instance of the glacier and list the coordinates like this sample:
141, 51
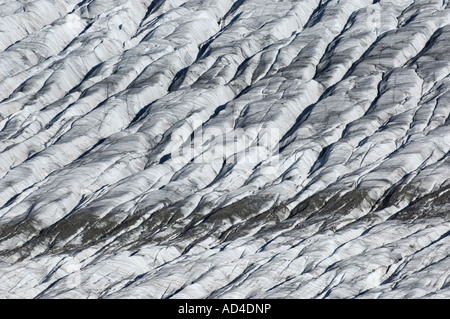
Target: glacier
224, 149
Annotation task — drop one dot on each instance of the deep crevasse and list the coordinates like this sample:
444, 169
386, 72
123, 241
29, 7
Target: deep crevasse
247, 149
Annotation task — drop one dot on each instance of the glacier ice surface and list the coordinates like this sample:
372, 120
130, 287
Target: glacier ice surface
224, 149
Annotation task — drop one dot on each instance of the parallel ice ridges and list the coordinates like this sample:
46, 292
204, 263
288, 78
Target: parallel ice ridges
19, 19
94, 188
151, 82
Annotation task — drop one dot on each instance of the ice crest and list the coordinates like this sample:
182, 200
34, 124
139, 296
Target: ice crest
223, 149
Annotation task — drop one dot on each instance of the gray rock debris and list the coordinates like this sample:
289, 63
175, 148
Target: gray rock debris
224, 149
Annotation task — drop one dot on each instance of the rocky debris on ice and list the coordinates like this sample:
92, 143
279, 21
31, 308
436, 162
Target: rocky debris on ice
224, 149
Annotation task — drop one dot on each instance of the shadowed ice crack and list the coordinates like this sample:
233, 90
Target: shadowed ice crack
224, 149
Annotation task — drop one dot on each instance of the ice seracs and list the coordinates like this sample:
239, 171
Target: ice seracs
231, 149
